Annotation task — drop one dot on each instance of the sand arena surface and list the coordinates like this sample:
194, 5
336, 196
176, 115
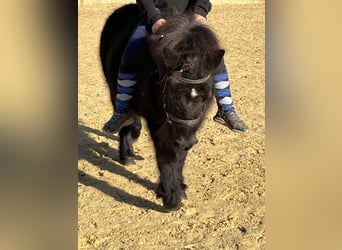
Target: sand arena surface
225, 171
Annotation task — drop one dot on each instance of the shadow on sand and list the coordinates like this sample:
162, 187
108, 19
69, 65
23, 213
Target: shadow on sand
93, 151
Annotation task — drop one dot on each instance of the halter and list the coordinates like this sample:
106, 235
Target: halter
170, 118
192, 81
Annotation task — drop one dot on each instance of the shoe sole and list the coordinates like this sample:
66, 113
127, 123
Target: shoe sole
129, 122
223, 122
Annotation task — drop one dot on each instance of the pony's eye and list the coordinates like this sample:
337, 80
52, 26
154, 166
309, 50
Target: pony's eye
180, 68
184, 67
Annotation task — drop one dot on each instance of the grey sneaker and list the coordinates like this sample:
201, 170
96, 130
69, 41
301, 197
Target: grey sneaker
231, 120
118, 121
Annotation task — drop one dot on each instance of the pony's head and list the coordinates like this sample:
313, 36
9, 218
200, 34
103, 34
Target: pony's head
182, 44
186, 54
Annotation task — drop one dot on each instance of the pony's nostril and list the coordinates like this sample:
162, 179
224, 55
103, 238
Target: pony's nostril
183, 147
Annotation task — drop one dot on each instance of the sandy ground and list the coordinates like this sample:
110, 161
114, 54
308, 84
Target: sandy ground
225, 171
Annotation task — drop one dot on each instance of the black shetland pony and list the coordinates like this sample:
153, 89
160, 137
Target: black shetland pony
174, 90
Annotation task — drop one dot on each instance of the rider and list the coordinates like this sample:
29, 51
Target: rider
152, 14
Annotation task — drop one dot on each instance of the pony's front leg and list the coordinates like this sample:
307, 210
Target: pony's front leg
171, 187
127, 136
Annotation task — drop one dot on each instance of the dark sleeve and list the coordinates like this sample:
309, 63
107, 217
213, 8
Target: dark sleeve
201, 7
148, 10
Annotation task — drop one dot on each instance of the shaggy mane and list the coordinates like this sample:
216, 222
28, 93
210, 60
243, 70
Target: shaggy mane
182, 34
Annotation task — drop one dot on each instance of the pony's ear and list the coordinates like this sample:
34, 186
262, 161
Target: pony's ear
169, 59
214, 58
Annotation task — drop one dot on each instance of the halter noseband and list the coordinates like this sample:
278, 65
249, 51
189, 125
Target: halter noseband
192, 81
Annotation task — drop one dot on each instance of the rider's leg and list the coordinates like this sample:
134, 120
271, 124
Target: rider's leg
226, 113
127, 79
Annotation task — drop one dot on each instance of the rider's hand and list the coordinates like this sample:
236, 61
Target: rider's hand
200, 19
158, 24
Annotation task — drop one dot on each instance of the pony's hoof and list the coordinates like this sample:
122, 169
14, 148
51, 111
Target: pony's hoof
127, 161
172, 208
